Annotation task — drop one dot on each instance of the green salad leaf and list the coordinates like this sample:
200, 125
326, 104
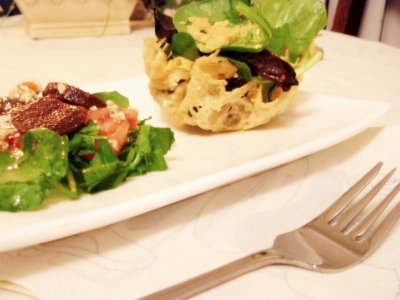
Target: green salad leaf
183, 44
213, 10
144, 152
7, 159
115, 97
83, 161
24, 181
275, 25
28, 195
217, 11
243, 69
83, 142
294, 24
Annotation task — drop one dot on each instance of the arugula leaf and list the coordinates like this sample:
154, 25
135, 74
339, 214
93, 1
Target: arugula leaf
162, 138
148, 150
83, 142
114, 96
143, 153
50, 161
243, 70
152, 144
106, 171
104, 154
103, 177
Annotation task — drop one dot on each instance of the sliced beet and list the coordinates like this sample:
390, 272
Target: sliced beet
73, 95
6, 104
49, 112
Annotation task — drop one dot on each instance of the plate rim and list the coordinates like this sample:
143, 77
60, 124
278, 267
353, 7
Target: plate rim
197, 186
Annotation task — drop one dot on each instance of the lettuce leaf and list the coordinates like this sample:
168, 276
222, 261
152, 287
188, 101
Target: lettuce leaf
294, 24
50, 161
221, 10
143, 153
277, 25
23, 181
213, 10
115, 97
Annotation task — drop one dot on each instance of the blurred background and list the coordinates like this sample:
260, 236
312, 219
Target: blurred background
377, 20
7, 7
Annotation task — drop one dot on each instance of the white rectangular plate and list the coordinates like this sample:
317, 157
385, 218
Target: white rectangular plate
199, 161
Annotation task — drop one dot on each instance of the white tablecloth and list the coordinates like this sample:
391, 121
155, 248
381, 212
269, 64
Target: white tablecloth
143, 254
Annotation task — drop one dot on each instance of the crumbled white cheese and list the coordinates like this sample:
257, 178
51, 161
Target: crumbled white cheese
61, 87
114, 144
115, 111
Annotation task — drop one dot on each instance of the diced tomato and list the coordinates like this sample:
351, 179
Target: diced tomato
120, 135
99, 115
14, 141
115, 129
131, 116
108, 127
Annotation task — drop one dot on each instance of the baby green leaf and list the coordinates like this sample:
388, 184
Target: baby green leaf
183, 44
22, 180
115, 97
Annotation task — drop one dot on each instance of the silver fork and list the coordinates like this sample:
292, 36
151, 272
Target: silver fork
333, 241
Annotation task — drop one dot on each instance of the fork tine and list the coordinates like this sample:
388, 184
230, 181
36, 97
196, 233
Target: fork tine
337, 207
361, 228
357, 208
376, 237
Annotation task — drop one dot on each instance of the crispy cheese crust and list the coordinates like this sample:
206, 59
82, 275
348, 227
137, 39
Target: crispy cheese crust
194, 93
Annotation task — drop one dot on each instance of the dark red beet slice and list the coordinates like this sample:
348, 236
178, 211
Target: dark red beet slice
49, 112
6, 104
73, 95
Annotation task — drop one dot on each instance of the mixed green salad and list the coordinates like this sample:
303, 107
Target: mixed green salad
273, 36
83, 161
276, 25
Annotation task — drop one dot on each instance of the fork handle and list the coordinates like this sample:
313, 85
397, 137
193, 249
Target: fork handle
218, 276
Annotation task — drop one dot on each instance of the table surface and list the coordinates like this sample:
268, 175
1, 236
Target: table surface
140, 255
